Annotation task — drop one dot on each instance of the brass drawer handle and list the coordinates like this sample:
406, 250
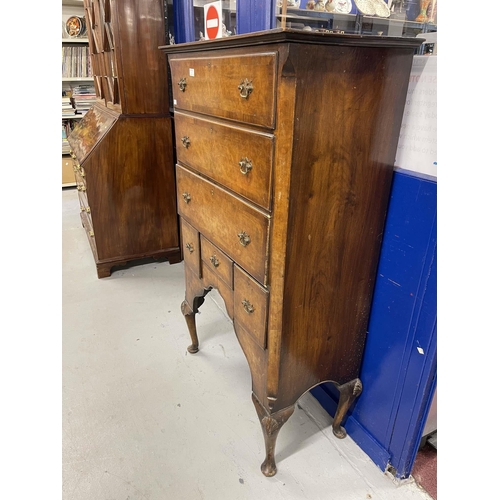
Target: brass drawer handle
187, 197
245, 165
182, 84
82, 209
244, 238
247, 306
245, 88
87, 210
186, 142
91, 233
190, 247
214, 260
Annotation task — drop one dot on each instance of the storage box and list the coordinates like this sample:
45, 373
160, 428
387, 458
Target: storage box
68, 176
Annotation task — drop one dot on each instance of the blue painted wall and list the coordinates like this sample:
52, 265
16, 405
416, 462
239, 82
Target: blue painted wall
399, 364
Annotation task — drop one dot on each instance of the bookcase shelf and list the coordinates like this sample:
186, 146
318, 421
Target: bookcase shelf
75, 40
78, 79
74, 58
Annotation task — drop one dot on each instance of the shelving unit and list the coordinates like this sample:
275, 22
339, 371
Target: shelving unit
352, 23
71, 8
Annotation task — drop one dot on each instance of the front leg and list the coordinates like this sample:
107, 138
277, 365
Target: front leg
191, 324
348, 393
271, 425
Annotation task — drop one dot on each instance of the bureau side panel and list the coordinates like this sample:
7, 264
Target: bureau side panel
348, 113
131, 189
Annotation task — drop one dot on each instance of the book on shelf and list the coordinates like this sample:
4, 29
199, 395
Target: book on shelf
83, 97
67, 127
76, 62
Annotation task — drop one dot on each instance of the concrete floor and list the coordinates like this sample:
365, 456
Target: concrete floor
143, 419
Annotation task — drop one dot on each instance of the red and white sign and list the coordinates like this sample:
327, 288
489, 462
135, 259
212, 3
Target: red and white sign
213, 20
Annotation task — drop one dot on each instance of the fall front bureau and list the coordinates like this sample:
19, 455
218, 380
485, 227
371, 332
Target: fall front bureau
286, 143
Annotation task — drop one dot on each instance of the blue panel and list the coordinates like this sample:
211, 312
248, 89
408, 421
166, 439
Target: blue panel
255, 15
183, 21
397, 379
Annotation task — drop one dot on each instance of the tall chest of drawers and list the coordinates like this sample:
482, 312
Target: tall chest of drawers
286, 143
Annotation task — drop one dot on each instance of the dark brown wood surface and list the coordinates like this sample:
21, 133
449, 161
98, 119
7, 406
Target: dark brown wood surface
132, 202
130, 72
216, 149
191, 247
217, 261
250, 305
221, 217
212, 87
337, 207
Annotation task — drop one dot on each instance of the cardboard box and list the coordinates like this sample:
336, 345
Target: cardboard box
68, 176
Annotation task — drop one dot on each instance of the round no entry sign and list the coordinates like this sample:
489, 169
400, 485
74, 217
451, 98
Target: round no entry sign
212, 23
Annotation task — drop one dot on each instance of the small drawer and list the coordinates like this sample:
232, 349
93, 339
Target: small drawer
81, 183
84, 204
238, 158
238, 229
217, 261
250, 305
239, 87
191, 246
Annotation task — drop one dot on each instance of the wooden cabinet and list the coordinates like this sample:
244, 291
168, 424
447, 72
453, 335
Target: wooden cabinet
286, 144
123, 146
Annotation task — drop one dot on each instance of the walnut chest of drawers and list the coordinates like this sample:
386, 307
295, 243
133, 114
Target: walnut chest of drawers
286, 143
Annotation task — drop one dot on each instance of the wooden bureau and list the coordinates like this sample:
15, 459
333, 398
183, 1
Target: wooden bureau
123, 147
286, 143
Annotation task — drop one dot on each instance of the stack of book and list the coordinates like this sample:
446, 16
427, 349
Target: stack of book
83, 98
65, 143
67, 127
67, 106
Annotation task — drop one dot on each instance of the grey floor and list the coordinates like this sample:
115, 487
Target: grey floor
143, 419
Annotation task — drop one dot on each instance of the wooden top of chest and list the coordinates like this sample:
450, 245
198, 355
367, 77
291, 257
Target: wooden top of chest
294, 36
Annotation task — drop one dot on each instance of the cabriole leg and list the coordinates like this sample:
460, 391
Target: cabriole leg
191, 324
348, 393
271, 425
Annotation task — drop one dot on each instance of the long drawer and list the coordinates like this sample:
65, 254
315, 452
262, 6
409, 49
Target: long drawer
235, 157
240, 88
238, 229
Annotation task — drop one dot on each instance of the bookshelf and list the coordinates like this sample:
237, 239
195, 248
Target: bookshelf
76, 71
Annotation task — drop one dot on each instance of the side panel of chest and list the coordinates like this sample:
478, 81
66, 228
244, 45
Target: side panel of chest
347, 117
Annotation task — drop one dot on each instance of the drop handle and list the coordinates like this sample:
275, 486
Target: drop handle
214, 260
245, 165
245, 88
187, 197
190, 247
244, 238
247, 306
185, 141
182, 84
